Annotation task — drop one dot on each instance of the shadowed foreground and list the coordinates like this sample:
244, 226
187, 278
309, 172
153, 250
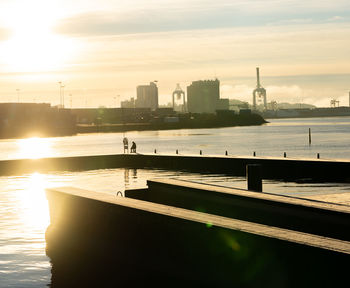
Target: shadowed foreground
98, 240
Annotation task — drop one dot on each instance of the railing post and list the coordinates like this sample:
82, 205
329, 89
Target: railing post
254, 177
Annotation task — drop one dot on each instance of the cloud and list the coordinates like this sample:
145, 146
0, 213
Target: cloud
315, 90
161, 16
336, 18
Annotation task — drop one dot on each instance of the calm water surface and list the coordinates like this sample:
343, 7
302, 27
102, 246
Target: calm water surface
330, 138
23, 206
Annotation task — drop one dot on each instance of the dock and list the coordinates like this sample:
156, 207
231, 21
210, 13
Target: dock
285, 169
198, 235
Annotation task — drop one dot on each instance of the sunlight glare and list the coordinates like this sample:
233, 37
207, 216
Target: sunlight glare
34, 148
34, 203
33, 47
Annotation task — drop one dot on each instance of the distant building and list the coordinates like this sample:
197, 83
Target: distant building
128, 103
223, 104
111, 115
35, 119
147, 96
204, 97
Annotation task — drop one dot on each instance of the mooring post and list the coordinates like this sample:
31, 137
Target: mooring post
254, 177
309, 136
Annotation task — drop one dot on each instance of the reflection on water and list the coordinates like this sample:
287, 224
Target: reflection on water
24, 213
33, 203
330, 138
24, 218
34, 148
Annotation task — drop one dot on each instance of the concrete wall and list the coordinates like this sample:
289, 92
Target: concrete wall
329, 220
272, 168
97, 240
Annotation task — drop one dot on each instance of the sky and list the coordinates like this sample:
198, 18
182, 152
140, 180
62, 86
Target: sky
101, 50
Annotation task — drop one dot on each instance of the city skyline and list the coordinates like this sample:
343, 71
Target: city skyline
104, 50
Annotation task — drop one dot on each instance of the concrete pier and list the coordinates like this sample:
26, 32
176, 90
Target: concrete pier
305, 170
99, 240
315, 217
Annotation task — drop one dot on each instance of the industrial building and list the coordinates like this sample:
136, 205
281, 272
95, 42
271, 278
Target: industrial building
128, 103
19, 120
204, 97
147, 96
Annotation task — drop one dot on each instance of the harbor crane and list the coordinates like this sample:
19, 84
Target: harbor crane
259, 91
179, 93
334, 103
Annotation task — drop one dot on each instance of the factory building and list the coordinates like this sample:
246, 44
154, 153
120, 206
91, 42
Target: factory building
204, 97
19, 120
147, 96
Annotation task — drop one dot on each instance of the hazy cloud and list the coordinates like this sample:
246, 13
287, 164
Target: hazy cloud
311, 93
123, 43
159, 16
336, 18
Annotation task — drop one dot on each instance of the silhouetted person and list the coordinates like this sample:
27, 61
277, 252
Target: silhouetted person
126, 144
133, 147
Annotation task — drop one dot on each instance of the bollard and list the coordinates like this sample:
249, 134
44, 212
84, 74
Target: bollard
200, 152
318, 155
254, 177
155, 151
309, 136
284, 154
254, 154
177, 151
226, 153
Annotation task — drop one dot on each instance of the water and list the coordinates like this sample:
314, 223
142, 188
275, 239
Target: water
330, 138
23, 206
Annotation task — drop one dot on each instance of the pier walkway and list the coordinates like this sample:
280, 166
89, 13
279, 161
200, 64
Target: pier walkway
100, 240
287, 169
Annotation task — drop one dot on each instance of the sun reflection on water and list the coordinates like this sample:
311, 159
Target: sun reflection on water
34, 148
34, 206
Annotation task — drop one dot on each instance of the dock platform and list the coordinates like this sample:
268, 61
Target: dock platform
96, 239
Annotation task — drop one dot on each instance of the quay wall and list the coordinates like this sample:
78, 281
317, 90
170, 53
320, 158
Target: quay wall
99, 240
286, 169
325, 219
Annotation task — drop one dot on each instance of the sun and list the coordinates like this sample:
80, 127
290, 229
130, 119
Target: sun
33, 47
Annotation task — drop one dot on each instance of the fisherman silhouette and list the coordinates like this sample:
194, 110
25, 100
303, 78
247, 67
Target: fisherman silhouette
126, 145
133, 147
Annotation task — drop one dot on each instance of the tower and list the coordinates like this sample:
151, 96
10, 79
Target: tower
259, 91
203, 96
147, 96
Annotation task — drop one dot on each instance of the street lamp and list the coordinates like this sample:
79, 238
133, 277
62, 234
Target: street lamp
60, 85
61, 94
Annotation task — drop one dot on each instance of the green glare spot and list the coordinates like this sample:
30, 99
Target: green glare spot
209, 225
